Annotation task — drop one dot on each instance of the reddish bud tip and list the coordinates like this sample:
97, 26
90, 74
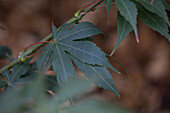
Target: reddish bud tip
52, 23
111, 53
152, 1
137, 39
119, 73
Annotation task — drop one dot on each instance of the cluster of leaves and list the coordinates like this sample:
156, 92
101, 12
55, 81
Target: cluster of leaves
151, 12
72, 46
31, 98
23, 74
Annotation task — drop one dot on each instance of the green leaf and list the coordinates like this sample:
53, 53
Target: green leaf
13, 79
57, 33
123, 30
33, 66
156, 7
62, 65
3, 83
87, 52
108, 5
4, 51
81, 30
129, 11
100, 75
153, 21
81, 49
73, 41
19, 70
25, 80
32, 72
67, 40
166, 5
44, 61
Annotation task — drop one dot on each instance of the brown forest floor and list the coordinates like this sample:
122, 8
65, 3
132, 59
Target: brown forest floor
147, 89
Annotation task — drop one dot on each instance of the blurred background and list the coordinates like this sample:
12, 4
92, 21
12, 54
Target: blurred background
146, 89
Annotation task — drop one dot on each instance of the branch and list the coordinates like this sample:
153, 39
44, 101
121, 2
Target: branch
77, 17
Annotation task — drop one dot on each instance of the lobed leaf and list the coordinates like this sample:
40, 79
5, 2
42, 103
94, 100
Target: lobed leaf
77, 42
86, 51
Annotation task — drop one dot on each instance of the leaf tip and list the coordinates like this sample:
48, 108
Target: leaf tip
52, 23
118, 95
137, 39
111, 53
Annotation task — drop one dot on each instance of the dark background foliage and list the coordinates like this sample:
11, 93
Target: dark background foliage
146, 89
